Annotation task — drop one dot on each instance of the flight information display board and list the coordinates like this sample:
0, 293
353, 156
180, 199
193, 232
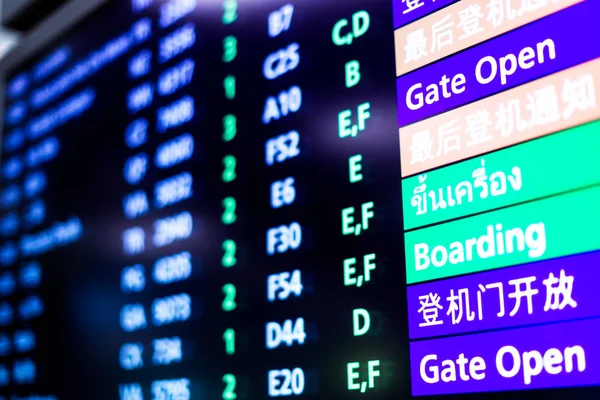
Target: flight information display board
243, 199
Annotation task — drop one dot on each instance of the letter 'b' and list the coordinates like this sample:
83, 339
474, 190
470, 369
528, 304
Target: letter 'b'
352, 73
422, 260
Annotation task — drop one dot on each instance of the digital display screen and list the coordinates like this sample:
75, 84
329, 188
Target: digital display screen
311, 199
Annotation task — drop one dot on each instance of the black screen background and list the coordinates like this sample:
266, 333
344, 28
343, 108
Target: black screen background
80, 335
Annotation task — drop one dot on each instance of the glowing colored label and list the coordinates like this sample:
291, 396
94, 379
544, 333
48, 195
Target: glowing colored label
499, 64
551, 356
503, 178
462, 25
516, 235
407, 11
549, 291
550, 104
